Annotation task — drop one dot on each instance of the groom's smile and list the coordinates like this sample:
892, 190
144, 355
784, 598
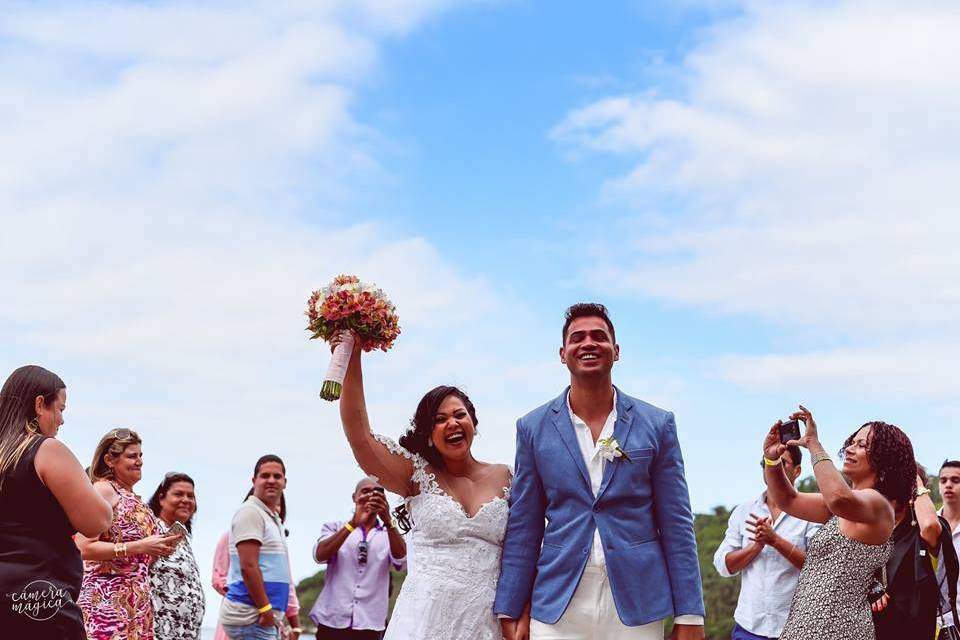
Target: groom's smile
589, 347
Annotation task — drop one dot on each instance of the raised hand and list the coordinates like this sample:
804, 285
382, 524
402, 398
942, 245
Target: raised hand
804, 416
772, 449
339, 337
378, 505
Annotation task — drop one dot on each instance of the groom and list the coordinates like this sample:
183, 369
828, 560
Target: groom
600, 536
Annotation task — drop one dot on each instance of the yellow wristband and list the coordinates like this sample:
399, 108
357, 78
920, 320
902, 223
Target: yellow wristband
265, 608
771, 463
349, 527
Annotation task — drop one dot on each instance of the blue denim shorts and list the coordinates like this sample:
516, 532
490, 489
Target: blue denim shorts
250, 632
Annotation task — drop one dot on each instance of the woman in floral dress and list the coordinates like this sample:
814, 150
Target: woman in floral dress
175, 584
115, 594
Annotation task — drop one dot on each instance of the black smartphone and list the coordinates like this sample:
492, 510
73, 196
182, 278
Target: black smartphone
789, 430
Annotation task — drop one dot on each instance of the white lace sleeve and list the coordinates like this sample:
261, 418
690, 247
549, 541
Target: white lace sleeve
426, 480
395, 448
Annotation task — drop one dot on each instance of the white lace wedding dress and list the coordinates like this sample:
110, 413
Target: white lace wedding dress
448, 595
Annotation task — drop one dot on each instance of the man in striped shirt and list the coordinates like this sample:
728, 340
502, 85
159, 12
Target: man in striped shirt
258, 583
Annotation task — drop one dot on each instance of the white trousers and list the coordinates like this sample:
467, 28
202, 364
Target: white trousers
592, 615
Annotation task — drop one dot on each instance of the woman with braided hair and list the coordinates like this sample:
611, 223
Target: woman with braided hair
830, 602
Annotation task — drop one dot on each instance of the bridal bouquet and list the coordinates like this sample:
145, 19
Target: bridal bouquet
348, 304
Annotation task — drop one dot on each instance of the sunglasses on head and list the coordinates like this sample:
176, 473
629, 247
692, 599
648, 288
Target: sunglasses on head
121, 434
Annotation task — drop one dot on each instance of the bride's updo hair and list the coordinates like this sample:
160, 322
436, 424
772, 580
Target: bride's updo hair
418, 438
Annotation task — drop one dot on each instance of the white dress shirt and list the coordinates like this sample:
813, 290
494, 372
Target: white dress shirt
948, 617
767, 584
596, 463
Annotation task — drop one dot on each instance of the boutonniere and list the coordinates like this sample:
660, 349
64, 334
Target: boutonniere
610, 449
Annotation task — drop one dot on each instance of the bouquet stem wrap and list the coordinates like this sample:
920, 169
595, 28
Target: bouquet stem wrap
333, 382
357, 311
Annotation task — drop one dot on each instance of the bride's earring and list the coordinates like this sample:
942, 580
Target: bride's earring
33, 426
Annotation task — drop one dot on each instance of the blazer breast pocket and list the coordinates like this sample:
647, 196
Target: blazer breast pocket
638, 454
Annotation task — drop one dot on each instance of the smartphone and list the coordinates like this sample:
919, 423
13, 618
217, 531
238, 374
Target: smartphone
176, 529
789, 430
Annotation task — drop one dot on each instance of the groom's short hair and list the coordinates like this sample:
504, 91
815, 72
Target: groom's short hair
587, 310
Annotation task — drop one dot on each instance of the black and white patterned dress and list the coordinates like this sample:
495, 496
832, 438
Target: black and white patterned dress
177, 594
831, 598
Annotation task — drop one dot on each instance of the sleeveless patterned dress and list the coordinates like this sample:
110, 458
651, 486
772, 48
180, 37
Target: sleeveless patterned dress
830, 602
115, 595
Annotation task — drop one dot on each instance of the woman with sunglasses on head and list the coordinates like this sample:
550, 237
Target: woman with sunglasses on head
115, 596
45, 497
458, 506
175, 584
830, 602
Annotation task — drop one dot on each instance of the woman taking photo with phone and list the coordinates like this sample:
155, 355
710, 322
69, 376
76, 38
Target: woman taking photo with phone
175, 584
830, 602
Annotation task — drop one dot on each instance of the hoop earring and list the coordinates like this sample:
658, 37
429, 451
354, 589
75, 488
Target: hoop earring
33, 426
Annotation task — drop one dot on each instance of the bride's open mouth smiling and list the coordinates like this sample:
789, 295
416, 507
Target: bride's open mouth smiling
455, 439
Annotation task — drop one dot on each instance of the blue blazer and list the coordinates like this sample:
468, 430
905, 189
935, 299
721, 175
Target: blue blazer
642, 511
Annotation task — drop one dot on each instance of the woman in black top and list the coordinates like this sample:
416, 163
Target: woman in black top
907, 610
44, 498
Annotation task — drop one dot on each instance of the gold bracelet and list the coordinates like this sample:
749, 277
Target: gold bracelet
771, 463
349, 527
819, 457
296, 630
116, 549
267, 607
923, 492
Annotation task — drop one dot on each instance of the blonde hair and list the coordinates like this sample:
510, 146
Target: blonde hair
114, 444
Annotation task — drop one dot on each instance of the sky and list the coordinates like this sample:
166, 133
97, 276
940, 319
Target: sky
762, 193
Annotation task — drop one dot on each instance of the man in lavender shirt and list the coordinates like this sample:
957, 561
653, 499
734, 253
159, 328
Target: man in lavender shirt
358, 554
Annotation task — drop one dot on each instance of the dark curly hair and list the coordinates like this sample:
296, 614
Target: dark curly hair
419, 438
890, 453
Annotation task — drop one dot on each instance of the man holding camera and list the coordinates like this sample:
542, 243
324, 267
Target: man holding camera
358, 554
767, 547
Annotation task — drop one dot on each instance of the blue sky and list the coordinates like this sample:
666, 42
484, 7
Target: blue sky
762, 193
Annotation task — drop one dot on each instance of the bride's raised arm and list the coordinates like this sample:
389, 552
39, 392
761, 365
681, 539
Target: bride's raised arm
393, 469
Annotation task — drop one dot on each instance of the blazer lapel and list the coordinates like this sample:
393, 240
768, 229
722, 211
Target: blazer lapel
621, 431
561, 420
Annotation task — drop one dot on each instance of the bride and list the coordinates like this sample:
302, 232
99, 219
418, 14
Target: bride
458, 506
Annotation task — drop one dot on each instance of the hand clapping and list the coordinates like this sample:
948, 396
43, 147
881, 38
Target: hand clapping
762, 529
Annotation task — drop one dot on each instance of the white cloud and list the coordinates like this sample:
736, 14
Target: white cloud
809, 163
174, 180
